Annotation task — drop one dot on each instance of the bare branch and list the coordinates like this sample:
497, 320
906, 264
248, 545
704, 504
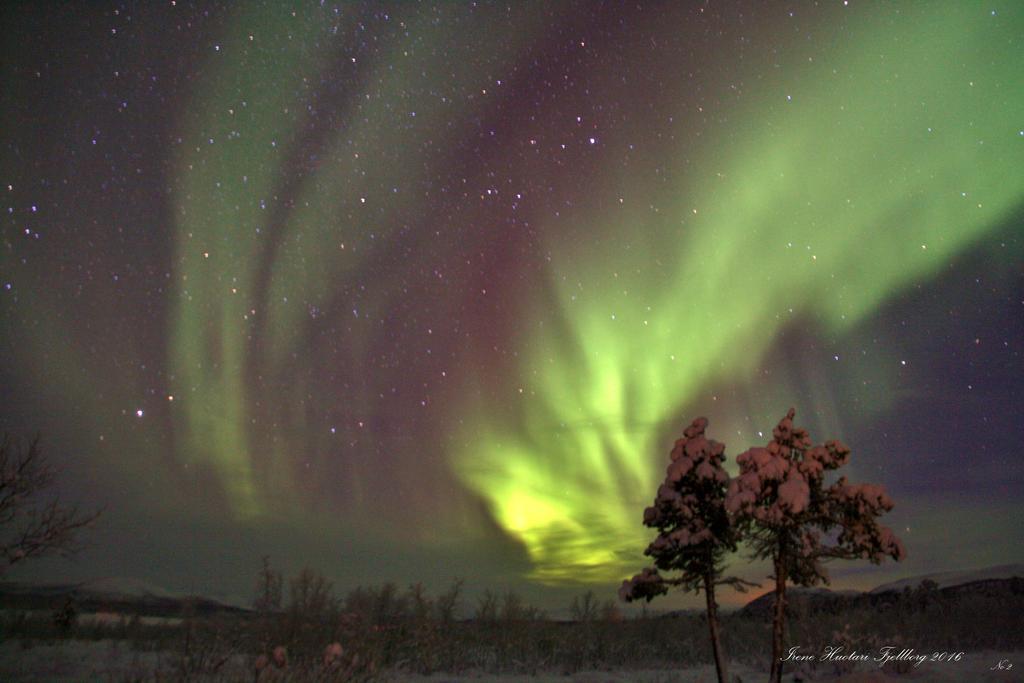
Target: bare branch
30, 527
738, 584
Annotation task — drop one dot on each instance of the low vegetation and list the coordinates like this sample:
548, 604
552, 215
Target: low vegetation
373, 633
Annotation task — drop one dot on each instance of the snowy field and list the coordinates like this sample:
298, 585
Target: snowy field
115, 661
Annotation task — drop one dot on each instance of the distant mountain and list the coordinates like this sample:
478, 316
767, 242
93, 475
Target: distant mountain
127, 588
958, 578
801, 599
118, 595
1007, 579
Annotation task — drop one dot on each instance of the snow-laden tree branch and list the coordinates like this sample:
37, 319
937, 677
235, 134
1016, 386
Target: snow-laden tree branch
785, 512
695, 531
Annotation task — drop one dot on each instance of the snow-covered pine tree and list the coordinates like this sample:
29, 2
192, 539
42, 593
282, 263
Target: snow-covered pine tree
694, 530
785, 512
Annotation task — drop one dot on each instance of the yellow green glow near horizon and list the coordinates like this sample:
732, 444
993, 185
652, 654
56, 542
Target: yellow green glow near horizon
836, 187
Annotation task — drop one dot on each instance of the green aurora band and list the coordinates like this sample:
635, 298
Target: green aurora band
851, 178
220, 204
231, 315
835, 186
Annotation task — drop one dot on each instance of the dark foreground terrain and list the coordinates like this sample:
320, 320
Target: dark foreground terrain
947, 633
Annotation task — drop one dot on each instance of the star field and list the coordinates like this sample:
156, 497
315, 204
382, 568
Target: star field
415, 291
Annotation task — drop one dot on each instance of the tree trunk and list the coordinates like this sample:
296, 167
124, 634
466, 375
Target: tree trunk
716, 645
779, 618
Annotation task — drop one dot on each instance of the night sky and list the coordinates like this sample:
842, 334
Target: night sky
408, 292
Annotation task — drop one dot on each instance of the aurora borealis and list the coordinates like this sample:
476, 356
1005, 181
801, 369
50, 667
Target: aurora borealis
411, 291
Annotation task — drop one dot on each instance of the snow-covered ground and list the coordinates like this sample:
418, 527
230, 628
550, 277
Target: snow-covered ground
73, 660
976, 667
115, 661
